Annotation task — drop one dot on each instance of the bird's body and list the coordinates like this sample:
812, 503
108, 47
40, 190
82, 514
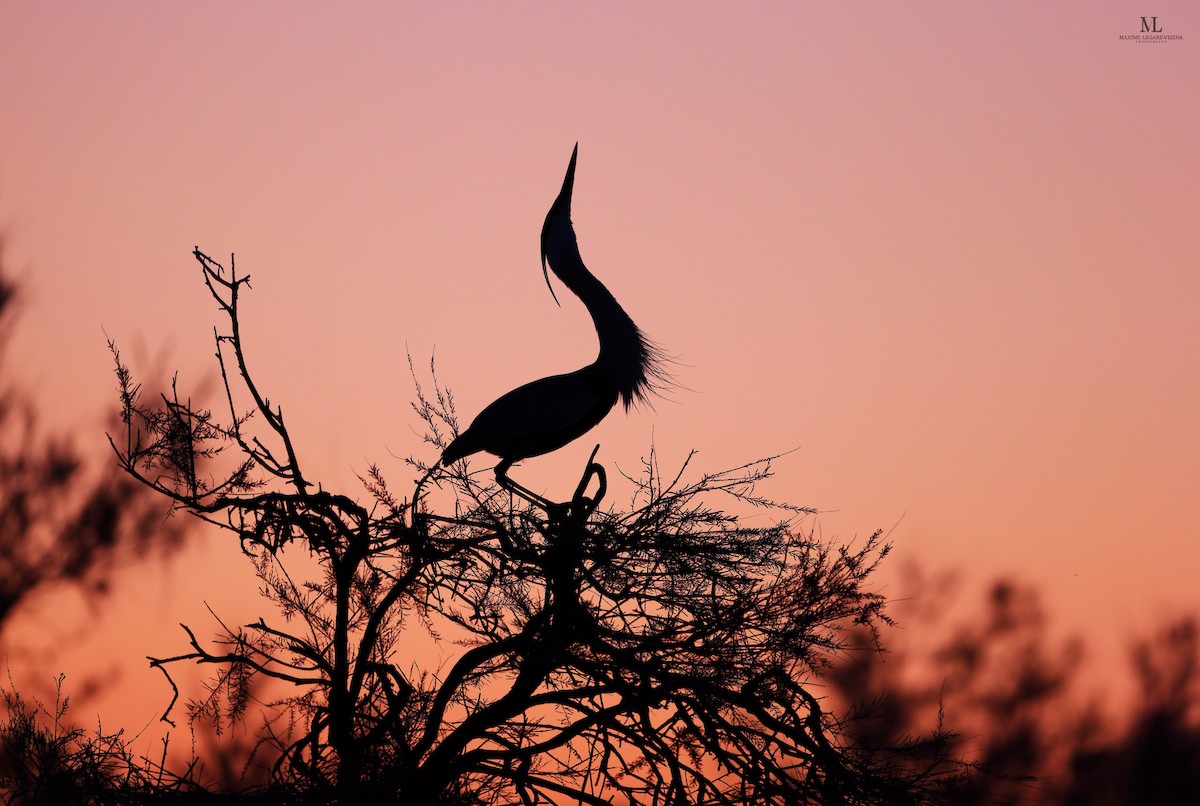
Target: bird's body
546, 414
537, 418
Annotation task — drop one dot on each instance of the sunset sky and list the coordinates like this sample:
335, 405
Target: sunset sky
948, 252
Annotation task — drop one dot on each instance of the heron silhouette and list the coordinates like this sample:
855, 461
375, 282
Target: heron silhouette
545, 415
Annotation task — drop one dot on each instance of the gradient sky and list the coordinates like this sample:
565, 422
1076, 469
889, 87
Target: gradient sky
947, 251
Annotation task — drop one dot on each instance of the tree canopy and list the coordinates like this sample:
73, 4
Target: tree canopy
660, 653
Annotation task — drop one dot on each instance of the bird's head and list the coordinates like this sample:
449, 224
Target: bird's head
558, 221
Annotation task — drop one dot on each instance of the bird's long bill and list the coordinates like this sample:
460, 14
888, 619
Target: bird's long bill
564, 195
561, 207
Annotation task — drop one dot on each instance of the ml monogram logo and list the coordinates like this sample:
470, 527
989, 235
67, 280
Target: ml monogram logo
1151, 33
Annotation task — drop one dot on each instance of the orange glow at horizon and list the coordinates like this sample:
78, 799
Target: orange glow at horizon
948, 253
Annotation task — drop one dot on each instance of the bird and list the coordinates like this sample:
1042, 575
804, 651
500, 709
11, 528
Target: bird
546, 414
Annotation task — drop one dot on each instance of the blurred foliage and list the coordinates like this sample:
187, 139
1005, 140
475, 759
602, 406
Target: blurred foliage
65, 518
1010, 696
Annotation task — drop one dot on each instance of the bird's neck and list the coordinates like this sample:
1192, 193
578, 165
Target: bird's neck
623, 348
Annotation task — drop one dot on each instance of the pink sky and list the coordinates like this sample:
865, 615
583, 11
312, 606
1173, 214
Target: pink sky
949, 251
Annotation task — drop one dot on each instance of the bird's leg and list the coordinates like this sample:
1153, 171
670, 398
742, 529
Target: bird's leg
507, 483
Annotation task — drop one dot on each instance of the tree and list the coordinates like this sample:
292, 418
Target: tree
663, 654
